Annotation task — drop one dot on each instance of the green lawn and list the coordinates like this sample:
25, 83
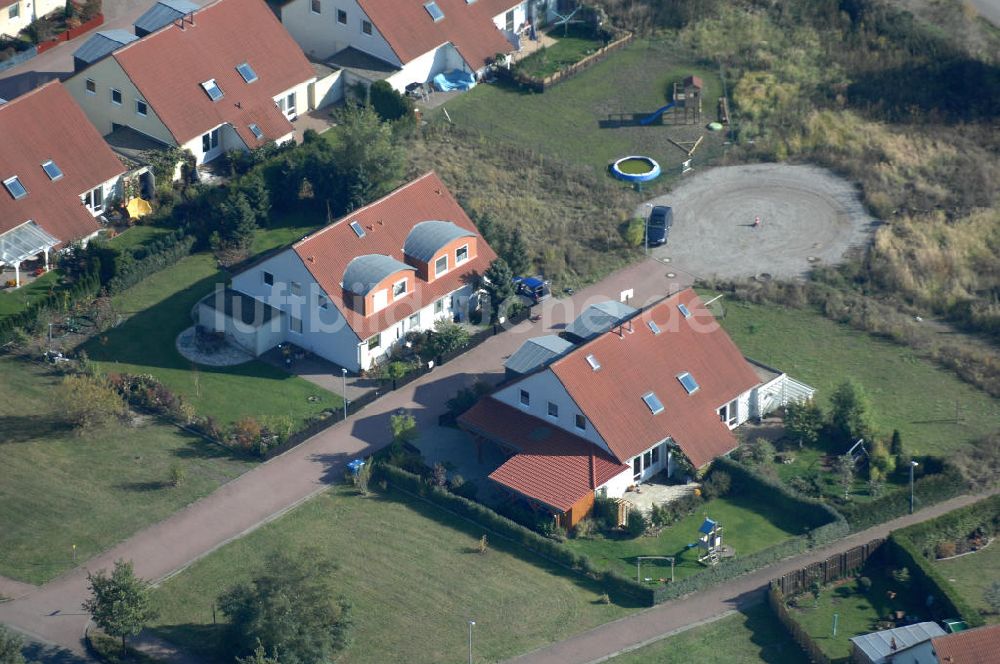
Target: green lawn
748, 528
13, 301
748, 637
58, 489
567, 50
857, 612
160, 309
907, 392
137, 235
565, 120
972, 573
413, 577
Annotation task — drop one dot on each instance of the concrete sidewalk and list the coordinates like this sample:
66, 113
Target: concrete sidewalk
53, 613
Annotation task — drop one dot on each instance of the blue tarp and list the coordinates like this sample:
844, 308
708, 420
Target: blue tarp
356, 466
454, 80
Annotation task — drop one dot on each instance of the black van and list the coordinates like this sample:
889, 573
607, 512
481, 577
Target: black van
658, 226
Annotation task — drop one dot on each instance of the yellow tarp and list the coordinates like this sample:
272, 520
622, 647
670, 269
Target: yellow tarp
138, 207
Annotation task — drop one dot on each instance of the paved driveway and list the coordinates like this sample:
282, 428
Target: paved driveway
808, 217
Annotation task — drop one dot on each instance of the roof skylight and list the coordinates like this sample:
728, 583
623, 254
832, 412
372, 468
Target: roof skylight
356, 227
52, 170
15, 188
434, 11
256, 131
592, 361
688, 381
653, 326
247, 72
684, 310
212, 89
655, 407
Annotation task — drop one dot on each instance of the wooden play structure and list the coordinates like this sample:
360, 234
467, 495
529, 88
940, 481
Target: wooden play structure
684, 107
710, 542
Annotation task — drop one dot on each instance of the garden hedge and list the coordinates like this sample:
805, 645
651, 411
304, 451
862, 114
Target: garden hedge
954, 525
776, 600
132, 272
927, 490
906, 554
87, 287
615, 583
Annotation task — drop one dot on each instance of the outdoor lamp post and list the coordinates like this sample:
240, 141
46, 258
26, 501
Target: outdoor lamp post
343, 373
472, 623
913, 464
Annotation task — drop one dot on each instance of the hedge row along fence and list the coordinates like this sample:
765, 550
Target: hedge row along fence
776, 600
87, 287
954, 525
616, 584
134, 272
928, 490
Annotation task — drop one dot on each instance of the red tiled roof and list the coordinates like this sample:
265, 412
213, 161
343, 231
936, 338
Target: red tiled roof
42, 125
973, 646
637, 362
411, 32
387, 222
169, 66
552, 466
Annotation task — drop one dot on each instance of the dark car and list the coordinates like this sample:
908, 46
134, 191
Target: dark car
535, 289
658, 226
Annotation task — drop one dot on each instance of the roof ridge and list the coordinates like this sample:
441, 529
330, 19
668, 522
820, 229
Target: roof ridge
337, 222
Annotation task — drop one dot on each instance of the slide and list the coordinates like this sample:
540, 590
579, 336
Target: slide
650, 119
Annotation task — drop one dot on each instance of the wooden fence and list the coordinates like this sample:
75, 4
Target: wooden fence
827, 571
540, 84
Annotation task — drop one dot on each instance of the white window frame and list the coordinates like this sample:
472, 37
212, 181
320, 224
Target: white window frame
111, 95
342, 13
295, 288
371, 29
581, 422
89, 198
14, 11
553, 406
322, 301
11, 180
264, 274
141, 114
524, 398
90, 86
729, 413
314, 4
459, 261
294, 322
437, 272
395, 287
377, 337
439, 307
212, 142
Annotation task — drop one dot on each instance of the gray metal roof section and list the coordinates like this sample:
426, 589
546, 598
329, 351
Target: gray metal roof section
24, 241
102, 44
427, 237
242, 307
365, 272
163, 13
537, 352
599, 318
877, 646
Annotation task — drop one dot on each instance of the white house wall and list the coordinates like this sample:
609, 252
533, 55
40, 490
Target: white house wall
615, 487
301, 97
27, 11
544, 387
520, 16
420, 70
327, 90
108, 74
320, 35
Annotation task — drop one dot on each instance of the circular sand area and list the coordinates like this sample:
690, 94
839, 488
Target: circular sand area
808, 217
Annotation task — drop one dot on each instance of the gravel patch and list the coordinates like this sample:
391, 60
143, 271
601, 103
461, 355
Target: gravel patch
226, 355
808, 217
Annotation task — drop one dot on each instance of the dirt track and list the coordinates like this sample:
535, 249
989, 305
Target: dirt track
808, 216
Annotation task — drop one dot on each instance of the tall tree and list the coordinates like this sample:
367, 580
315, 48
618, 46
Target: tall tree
499, 284
850, 413
119, 604
516, 254
804, 421
10, 647
365, 155
290, 608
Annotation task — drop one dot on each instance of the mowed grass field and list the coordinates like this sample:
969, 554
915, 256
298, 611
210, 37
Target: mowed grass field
972, 573
58, 489
414, 578
750, 636
569, 121
13, 301
907, 393
159, 309
747, 527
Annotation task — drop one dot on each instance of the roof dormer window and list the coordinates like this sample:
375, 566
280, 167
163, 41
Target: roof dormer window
15, 188
592, 361
684, 310
653, 327
688, 381
434, 11
212, 89
53, 171
247, 72
258, 134
356, 227
653, 402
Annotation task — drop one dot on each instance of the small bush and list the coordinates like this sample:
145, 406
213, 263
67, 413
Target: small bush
177, 474
945, 549
718, 484
585, 529
864, 584
636, 523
